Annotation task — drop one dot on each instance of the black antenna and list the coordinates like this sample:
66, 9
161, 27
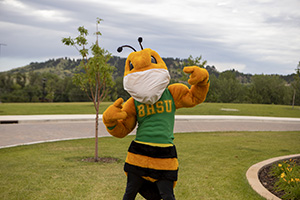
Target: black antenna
140, 39
120, 49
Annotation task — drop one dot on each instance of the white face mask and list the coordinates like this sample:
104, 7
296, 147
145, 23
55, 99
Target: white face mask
147, 86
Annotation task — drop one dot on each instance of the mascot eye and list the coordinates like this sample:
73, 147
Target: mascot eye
153, 60
130, 66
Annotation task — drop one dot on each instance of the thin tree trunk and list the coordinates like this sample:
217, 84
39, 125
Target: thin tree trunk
96, 136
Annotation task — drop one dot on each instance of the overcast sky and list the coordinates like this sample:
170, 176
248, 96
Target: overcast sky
251, 36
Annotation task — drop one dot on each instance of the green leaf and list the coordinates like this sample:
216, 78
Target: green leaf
83, 31
68, 41
81, 40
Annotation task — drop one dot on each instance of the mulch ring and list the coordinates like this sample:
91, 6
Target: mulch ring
268, 181
101, 159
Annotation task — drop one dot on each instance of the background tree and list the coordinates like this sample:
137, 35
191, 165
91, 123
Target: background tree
268, 89
120, 89
34, 87
230, 89
95, 74
214, 88
195, 61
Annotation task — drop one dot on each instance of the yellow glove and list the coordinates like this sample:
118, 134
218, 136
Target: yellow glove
114, 113
199, 76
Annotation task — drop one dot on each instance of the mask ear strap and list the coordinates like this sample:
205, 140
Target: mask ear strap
120, 49
140, 39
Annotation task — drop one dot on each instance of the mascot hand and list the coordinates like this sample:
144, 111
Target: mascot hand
199, 76
114, 113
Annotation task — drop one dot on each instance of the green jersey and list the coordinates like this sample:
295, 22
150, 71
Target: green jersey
156, 122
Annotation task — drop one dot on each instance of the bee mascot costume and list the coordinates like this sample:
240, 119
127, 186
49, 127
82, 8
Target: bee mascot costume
151, 164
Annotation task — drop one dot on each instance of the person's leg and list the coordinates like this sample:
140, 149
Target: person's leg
150, 191
165, 188
134, 183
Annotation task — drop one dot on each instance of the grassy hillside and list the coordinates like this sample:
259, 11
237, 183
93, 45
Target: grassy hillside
62, 67
66, 67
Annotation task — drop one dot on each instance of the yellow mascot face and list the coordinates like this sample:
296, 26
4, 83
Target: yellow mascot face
143, 60
146, 75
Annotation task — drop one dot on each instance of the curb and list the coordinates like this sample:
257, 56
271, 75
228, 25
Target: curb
235, 118
253, 179
15, 119
46, 141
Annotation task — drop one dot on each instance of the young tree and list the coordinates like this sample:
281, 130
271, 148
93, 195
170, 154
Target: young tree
95, 74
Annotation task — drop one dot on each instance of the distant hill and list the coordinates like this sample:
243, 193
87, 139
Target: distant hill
52, 81
66, 67
62, 67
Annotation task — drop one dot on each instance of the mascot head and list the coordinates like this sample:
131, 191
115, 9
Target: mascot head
146, 75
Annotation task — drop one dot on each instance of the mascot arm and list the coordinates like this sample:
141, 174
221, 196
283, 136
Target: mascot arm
185, 97
120, 120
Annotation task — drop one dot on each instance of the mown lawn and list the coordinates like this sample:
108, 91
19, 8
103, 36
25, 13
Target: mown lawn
49, 108
202, 109
212, 166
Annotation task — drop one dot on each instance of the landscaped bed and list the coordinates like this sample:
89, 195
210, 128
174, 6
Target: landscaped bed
282, 178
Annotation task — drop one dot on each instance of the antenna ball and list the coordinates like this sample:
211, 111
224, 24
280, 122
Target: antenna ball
140, 39
120, 49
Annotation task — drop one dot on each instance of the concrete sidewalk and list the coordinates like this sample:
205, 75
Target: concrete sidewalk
91, 117
30, 129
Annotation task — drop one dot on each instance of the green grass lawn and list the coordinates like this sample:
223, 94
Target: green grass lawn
49, 108
202, 109
212, 166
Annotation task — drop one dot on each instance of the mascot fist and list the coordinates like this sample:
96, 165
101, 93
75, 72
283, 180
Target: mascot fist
114, 113
199, 76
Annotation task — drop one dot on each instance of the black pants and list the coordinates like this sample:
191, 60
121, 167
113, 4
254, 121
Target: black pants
162, 189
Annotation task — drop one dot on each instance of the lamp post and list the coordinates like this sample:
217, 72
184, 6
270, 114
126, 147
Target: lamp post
0, 47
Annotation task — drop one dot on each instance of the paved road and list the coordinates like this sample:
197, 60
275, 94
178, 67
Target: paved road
36, 129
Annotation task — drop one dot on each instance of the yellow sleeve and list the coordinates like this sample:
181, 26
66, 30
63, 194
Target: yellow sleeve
185, 97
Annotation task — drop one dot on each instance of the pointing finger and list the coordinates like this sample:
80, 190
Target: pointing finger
118, 103
188, 70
